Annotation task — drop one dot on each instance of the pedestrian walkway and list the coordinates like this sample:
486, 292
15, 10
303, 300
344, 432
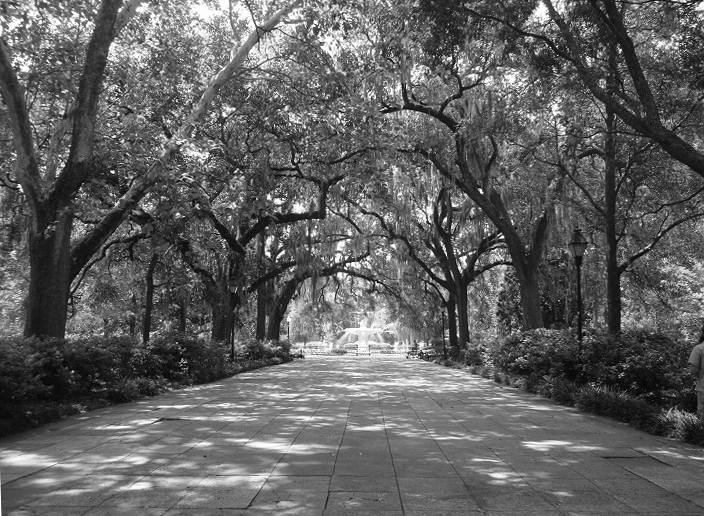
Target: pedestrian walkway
331, 436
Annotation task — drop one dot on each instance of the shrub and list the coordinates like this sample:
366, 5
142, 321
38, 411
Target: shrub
47, 364
95, 362
123, 390
168, 359
149, 386
678, 424
618, 405
562, 391
648, 365
539, 353
18, 382
692, 431
472, 356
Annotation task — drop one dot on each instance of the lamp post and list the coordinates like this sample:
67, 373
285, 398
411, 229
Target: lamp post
577, 246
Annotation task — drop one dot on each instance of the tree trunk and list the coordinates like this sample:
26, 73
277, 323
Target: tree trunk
274, 329
261, 311
278, 309
613, 275
262, 289
462, 318
149, 299
132, 320
220, 327
452, 321
530, 296
49, 278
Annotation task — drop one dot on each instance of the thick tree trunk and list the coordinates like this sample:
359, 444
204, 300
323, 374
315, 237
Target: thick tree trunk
530, 297
613, 274
220, 327
452, 322
274, 329
462, 318
278, 309
149, 299
261, 311
49, 279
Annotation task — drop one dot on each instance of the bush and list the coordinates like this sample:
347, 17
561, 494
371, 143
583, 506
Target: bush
562, 391
123, 390
18, 381
539, 353
472, 356
96, 362
618, 405
48, 366
648, 365
678, 424
167, 360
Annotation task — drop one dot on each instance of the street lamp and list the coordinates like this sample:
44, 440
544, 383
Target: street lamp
577, 246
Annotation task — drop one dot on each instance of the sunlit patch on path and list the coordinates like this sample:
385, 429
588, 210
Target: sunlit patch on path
347, 435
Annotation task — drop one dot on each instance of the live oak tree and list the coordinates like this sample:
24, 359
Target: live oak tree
462, 115
655, 62
449, 242
635, 194
635, 198
52, 172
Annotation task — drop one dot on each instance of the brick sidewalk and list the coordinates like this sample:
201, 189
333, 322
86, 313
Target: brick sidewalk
373, 435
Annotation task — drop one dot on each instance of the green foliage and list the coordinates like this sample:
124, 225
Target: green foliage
539, 353
616, 404
18, 381
94, 363
48, 366
252, 349
680, 424
562, 391
645, 364
509, 313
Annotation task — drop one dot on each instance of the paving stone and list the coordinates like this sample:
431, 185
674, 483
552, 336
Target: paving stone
361, 501
328, 436
365, 483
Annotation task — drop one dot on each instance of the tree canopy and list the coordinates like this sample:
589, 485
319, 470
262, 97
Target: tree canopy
220, 168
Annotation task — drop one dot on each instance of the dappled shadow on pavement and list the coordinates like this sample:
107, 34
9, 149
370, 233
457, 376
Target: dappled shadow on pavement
347, 435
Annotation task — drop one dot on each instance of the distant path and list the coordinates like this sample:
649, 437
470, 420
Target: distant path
373, 435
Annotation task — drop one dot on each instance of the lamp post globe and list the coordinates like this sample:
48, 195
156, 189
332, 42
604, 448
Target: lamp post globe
578, 244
